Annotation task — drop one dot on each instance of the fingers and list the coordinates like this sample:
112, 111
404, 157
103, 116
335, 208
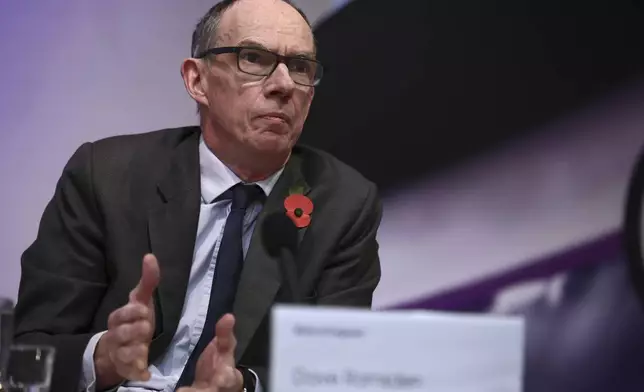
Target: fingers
150, 277
219, 354
225, 337
129, 313
216, 369
131, 327
139, 331
206, 363
131, 356
134, 373
129, 340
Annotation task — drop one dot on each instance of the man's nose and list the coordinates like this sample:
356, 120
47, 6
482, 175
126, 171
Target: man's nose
280, 81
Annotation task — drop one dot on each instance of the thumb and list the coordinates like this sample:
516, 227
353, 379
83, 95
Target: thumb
150, 276
225, 337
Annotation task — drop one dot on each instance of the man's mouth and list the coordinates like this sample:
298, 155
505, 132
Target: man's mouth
276, 117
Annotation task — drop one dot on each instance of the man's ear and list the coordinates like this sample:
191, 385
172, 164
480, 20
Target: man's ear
193, 82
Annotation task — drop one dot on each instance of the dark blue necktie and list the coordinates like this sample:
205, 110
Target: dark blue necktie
227, 271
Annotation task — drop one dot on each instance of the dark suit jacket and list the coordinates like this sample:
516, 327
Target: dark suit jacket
125, 196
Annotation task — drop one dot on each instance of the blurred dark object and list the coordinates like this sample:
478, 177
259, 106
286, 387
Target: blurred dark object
6, 332
633, 225
6, 336
419, 85
30, 368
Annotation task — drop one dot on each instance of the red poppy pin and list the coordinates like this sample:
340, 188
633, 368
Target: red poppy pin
299, 208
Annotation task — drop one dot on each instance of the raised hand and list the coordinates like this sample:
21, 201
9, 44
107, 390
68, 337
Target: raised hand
216, 371
122, 352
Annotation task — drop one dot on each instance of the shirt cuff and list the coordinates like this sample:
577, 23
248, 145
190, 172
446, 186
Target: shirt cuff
258, 385
87, 381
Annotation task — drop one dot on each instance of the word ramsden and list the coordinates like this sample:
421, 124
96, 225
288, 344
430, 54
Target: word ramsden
355, 378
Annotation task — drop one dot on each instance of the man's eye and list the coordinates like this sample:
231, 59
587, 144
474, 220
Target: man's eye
301, 66
251, 57
256, 57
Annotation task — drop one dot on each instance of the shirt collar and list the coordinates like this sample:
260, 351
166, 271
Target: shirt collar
217, 178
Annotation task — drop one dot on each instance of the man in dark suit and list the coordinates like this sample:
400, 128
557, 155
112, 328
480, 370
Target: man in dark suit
229, 218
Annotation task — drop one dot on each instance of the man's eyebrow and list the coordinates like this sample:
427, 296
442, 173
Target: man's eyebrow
304, 54
249, 43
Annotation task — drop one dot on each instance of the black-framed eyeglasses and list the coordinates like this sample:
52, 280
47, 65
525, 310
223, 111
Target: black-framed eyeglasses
261, 62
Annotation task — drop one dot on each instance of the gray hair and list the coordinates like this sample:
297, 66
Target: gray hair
205, 33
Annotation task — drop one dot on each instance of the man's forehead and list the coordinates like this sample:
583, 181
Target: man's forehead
271, 23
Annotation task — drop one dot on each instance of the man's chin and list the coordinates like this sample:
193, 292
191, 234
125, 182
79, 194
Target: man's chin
272, 142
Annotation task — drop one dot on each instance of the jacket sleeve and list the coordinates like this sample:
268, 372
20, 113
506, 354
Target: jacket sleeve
63, 275
353, 272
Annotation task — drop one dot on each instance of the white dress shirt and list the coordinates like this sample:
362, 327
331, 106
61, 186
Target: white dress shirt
216, 178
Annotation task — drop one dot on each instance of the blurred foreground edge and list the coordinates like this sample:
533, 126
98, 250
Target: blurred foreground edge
633, 226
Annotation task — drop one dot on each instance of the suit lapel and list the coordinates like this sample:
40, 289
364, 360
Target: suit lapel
172, 228
261, 276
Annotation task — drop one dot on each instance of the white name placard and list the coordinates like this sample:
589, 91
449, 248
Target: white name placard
321, 349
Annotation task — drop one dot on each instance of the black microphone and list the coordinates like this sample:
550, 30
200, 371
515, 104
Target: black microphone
280, 238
